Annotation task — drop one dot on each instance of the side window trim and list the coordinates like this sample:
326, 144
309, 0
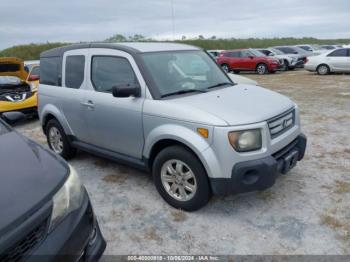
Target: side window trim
115, 56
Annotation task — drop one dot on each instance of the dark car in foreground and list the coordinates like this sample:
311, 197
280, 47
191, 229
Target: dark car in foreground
248, 60
46, 214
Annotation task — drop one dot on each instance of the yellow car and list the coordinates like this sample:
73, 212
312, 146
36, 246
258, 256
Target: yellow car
18, 89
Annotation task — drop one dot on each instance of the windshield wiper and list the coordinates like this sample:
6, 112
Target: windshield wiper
221, 84
184, 91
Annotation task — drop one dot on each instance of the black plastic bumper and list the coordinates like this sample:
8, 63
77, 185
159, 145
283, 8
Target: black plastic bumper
76, 238
260, 174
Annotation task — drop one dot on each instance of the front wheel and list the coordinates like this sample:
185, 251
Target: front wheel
285, 65
261, 69
58, 141
181, 179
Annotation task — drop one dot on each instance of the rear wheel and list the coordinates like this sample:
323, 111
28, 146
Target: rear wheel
181, 179
58, 141
261, 69
323, 70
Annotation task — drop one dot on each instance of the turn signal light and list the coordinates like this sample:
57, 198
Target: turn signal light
203, 132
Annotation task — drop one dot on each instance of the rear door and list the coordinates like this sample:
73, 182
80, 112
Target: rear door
338, 60
235, 60
114, 123
73, 91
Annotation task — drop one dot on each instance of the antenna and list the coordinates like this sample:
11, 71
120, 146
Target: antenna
172, 18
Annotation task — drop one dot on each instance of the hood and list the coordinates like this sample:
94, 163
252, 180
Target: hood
30, 175
236, 105
10, 66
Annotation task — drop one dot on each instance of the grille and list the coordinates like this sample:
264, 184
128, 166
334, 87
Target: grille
24, 246
281, 123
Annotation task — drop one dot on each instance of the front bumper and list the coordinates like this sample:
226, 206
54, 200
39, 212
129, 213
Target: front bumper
76, 238
26, 106
260, 174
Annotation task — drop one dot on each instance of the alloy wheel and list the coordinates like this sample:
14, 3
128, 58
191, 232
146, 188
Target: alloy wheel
55, 139
178, 180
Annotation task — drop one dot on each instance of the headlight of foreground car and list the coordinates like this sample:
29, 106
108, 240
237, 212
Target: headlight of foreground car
67, 199
33, 87
246, 140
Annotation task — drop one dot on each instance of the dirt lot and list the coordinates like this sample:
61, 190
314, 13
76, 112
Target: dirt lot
306, 212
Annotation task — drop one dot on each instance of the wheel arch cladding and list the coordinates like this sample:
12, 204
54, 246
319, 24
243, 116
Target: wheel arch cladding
168, 135
51, 112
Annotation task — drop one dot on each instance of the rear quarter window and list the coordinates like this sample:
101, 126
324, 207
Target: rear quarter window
74, 73
50, 71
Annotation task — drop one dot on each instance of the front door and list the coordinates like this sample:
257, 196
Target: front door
338, 60
247, 60
114, 123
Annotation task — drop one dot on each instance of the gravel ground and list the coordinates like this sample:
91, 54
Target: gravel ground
306, 212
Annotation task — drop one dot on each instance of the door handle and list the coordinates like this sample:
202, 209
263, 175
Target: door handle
89, 104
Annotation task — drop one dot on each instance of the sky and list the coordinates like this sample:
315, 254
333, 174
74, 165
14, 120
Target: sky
38, 21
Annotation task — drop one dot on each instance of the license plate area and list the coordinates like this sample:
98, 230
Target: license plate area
289, 161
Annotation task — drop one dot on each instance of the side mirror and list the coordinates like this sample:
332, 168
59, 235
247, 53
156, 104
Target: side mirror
251, 57
33, 78
12, 117
126, 90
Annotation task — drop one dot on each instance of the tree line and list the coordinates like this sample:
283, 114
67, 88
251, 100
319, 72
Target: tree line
32, 51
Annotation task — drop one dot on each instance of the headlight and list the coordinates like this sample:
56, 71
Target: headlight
33, 87
244, 141
67, 199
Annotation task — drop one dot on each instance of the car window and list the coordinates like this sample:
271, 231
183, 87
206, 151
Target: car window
50, 71
35, 71
305, 47
109, 71
246, 53
287, 50
75, 67
232, 54
339, 53
266, 52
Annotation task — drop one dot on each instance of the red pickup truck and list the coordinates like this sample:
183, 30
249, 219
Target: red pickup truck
248, 60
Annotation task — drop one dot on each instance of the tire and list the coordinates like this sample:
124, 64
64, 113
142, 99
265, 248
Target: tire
177, 157
285, 65
323, 69
61, 146
236, 71
261, 69
225, 68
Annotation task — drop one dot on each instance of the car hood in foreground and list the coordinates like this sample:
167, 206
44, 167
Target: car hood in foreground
30, 175
236, 105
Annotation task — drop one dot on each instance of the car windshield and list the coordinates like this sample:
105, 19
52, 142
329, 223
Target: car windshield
176, 72
276, 51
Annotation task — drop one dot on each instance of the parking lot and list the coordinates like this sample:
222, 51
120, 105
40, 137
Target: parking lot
306, 212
